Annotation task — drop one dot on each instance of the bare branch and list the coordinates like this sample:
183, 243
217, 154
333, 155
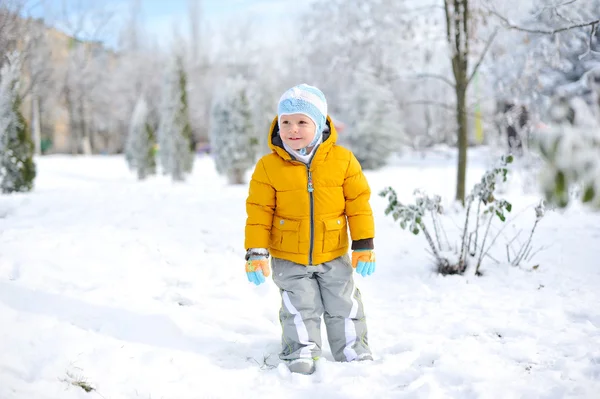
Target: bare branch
482, 56
543, 247
10, 25
467, 32
554, 9
566, 3
589, 43
509, 25
424, 8
561, 16
448, 21
450, 107
32, 6
433, 76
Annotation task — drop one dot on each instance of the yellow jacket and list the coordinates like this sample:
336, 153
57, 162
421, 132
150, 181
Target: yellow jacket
302, 222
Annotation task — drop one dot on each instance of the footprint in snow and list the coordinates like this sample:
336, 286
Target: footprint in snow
426, 359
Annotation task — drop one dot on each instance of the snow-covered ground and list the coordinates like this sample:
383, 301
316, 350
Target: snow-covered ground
139, 290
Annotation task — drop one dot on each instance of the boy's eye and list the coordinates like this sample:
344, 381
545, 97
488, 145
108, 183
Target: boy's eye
303, 122
285, 122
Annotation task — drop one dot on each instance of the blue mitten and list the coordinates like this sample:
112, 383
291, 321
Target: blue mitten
257, 265
363, 260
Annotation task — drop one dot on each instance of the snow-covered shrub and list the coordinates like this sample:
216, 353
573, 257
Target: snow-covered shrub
174, 130
17, 169
375, 126
571, 160
412, 216
474, 244
139, 149
232, 134
524, 252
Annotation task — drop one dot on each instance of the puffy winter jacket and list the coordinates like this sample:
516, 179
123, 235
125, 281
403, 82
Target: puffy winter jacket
301, 212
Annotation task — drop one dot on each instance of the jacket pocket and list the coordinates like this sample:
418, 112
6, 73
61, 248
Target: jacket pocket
335, 235
285, 235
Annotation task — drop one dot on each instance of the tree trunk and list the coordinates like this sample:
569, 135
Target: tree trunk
85, 143
73, 130
236, 176
461, 120
457, 33
36, 129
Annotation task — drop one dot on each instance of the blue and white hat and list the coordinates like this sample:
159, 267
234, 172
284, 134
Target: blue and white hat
307, 100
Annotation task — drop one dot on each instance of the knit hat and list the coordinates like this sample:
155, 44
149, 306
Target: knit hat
307, 100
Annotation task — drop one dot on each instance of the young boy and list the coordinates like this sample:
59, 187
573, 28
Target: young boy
301, 199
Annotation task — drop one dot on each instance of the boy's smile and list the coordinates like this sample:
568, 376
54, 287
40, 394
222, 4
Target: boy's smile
297, 130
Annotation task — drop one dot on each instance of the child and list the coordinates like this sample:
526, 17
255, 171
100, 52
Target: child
301, 199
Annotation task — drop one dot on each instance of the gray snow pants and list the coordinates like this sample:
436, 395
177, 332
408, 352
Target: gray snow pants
307, 293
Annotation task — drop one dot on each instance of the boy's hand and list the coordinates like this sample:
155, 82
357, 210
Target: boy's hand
257, 266
363, 260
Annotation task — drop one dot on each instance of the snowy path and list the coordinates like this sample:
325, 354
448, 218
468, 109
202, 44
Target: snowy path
139, 289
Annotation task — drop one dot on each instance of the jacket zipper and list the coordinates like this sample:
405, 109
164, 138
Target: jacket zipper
310, 189
312, 215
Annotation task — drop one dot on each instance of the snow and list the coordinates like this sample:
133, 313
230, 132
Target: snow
138, 288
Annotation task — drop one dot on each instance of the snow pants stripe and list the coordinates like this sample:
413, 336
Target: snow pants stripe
309, 292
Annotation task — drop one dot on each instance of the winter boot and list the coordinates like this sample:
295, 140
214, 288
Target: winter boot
365, 356
302, 366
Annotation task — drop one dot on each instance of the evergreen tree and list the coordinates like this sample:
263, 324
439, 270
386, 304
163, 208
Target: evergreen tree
233, 140
376, 129
17, 169
174, 131
139, 151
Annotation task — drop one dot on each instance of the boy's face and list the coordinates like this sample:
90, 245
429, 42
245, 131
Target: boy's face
297, 130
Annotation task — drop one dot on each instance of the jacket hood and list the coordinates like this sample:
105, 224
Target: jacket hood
276, 144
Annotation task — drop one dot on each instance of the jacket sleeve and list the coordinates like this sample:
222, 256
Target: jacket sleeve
260, 206
358, 209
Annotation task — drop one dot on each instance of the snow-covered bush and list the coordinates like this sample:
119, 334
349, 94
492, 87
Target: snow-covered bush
139, 149
232, 134
474, 244
571, 161
375, 126
174, 130
17, 169
569, 147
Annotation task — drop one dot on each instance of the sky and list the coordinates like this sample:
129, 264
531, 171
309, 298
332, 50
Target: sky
161, 17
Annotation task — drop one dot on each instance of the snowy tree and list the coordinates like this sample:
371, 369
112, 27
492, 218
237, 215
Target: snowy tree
232, 134
460, 26
394, 38
262, 90
375, 128
551, 63
17, 169
174, 132
40, 92
134, 76
85, 75
547, 57
139, 150
377, 33
10, 25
